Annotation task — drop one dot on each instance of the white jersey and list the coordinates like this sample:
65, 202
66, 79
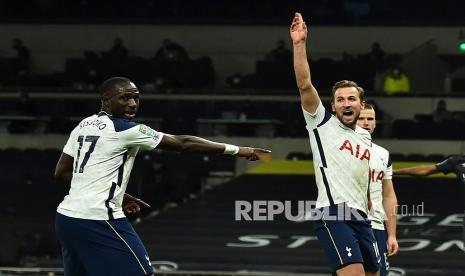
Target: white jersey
380, 169
104, 149
340, 158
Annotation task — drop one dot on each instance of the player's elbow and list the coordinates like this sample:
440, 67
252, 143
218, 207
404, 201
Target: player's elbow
59, 175
185, 143
422, 173
62, 176
304, 86
64, 168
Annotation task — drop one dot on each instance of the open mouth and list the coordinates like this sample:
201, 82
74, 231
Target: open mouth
347, 113
130, 114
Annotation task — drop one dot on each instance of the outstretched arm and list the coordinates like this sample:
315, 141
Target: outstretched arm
390, 208
308, 94
187, 143
423, 170
447, 166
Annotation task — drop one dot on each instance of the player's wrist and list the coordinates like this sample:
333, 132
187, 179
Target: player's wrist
299, 42
230, 149
442, 166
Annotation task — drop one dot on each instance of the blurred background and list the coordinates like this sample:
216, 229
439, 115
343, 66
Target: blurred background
223, 70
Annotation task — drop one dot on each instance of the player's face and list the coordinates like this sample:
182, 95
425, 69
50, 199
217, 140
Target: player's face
367, 120
347, 105
125, 103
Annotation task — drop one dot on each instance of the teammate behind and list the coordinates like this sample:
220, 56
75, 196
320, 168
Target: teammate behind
341, 154
382, 194
97, 160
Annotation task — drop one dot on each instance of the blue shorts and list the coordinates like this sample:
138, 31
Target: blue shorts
381, 239
347, 241
101, 247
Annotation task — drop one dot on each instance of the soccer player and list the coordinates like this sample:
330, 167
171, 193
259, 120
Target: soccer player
97, 159
341, 154
382, 194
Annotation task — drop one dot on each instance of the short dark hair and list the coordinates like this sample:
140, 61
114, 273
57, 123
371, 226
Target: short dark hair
111, 85
347, 83
368, 106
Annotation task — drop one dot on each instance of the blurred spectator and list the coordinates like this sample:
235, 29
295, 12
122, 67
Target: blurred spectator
377, 56
280, 53
441, 113
171, 52
396, 83
23, 57
117, 52
176, 68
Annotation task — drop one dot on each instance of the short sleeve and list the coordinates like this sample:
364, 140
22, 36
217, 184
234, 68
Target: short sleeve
141, 136
388, 174
316, 119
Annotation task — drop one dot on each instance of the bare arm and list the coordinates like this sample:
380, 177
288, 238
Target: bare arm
187, 143
64, 168
423, 170
390, 208
308, 94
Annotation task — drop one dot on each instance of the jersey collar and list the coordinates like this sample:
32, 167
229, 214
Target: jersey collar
103, 113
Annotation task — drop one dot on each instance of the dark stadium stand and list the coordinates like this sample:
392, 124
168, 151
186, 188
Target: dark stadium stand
213, 239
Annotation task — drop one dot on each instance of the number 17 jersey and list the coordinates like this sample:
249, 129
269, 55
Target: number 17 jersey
103, 149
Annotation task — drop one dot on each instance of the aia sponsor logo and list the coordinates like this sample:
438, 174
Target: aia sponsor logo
355, 150
376, 176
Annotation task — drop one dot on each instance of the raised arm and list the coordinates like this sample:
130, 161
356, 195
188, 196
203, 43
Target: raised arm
308, 94
187, 143
390, 208
423, 170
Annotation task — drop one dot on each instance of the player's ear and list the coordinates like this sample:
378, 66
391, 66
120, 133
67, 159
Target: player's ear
105, 102
362, 104
332, 107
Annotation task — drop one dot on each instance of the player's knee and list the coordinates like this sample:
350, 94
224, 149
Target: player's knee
355, 269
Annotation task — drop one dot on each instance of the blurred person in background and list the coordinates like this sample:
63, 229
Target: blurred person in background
396, 83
